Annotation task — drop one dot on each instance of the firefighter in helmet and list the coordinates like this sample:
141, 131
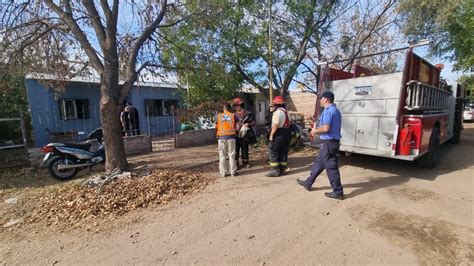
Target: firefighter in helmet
279, 139
246, 122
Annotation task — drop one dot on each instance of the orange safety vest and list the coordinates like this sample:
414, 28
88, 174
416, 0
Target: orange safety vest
225, 124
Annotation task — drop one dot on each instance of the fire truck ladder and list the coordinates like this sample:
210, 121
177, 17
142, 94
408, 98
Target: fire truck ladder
423, 97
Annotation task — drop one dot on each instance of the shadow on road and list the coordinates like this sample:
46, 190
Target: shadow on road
454, 157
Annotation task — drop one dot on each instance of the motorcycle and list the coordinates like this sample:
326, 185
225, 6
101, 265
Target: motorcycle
65, 160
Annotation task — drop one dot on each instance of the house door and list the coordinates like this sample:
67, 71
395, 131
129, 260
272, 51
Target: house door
260, 110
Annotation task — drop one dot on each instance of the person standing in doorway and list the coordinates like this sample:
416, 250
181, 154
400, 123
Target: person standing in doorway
125, 120
134, 120
246, 122
226, 127
279, 139
330, 133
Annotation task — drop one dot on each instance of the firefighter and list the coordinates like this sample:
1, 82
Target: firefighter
279, 139
226, 125
246, 119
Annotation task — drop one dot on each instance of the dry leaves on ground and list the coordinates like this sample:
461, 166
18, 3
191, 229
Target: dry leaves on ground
78, 206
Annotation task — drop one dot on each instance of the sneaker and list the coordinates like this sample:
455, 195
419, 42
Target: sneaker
225, 175
248, 165
234, 174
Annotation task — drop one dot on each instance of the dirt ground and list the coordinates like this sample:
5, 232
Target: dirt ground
394, 213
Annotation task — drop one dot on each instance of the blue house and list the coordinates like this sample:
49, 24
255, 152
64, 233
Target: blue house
57, 114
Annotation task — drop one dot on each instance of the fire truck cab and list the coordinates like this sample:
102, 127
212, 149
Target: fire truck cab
405, 115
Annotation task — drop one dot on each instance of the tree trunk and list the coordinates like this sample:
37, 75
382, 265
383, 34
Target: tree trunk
110, 109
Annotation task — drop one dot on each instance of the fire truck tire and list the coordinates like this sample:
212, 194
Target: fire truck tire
430, 159
456, 138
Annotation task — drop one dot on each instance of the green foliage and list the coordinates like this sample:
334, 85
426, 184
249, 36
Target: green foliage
468, 82
12, 96
449, 23
216, 84
13, 99
225, 43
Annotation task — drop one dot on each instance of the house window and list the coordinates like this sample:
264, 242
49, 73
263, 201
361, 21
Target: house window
168, 106
154, 107
74, 109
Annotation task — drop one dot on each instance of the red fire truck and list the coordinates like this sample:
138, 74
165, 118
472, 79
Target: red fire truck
405, 115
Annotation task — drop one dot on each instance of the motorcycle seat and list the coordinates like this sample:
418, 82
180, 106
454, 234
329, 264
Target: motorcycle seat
79, 145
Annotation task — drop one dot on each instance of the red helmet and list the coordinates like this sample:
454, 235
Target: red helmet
278, 100
237, 101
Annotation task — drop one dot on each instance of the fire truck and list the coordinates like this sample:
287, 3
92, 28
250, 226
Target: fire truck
405, 115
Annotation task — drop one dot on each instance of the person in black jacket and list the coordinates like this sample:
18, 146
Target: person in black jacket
244, 131
125, 120
134, 119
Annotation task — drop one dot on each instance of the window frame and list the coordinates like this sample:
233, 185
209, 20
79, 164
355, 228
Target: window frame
162, 109
64, 111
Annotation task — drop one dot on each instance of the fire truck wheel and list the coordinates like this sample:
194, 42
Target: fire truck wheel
430, 159
456, 138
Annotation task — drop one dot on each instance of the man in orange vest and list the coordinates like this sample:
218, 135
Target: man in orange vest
226, 126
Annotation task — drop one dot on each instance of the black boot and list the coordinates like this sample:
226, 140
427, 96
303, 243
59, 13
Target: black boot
282, 170
274, 172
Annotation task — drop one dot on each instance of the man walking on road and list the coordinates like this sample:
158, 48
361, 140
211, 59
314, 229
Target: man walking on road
226, 125
330, 134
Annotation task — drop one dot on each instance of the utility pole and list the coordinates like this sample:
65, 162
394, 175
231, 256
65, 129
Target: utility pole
270, 63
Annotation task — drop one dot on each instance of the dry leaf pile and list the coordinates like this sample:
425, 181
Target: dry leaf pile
78, 206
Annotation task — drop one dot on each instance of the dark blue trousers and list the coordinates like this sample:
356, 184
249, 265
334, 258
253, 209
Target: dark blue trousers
327, 159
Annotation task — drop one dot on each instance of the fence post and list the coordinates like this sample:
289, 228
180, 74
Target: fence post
23, 134
174, 124
148, 120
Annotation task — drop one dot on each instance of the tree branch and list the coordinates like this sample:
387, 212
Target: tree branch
373, 29
249, 79
95, 21
106, 9
130, 72
307, 87
80, 36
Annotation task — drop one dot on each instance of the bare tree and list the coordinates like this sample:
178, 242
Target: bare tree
115, 39
365, 27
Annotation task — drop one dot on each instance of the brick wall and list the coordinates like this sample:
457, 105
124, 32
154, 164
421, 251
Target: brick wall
137, 144
13, 157
302, 102
195, 138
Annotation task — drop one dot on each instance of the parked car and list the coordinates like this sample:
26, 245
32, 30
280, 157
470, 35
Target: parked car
468, 114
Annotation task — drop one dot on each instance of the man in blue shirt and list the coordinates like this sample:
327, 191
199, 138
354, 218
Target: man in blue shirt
330, 133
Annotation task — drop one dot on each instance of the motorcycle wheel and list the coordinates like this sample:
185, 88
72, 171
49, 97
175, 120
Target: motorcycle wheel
62, 175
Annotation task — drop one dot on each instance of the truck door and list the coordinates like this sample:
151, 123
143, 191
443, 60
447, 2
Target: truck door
367, 132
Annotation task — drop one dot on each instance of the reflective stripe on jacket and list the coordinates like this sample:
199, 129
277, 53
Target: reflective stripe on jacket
225, 124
